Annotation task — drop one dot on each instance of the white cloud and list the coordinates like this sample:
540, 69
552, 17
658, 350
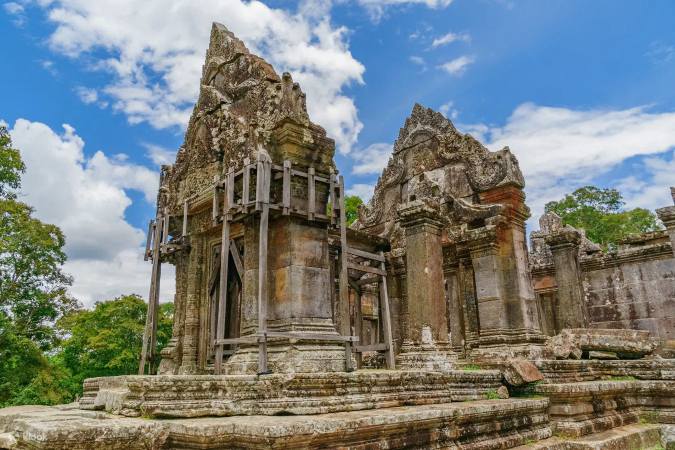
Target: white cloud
17, 11
449, 38
160, 155
154, 51
417, 60
372, 159
448, 110
365, 191
650, 189
87, 95
661, 53
458, 65
376, 8
560, 149
86, 198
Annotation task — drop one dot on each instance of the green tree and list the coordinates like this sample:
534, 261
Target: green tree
11, 165
601, 213
106, 340
352, 203
26, 375
33, 287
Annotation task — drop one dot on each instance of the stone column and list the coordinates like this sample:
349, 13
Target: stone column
507, 306
455, 309
667, 216
425, 344
570, 309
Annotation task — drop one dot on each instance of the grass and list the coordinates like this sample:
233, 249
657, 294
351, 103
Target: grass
470, 368
623, 378
492, 395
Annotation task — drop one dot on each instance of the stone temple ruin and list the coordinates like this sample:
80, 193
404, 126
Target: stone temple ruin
427, 324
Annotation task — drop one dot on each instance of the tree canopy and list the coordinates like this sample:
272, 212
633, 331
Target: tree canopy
601, 213
352, 203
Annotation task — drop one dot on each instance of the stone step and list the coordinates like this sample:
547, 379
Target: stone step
629, 437
472, 425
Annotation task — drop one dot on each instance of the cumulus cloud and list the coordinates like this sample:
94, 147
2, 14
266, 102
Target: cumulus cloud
560, 149
154, 51
448, 110
449, 38
458, 66
372, 159
650, 190
16, 11
86, 198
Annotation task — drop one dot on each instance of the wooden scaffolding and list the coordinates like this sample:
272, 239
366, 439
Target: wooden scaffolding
239, 202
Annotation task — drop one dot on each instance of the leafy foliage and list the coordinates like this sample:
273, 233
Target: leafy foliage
352, 203
11, 165
600, 212
32, 284
106, 341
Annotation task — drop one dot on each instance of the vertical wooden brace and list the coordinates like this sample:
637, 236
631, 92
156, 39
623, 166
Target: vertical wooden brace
386, 318
264, 176
224, 260
311, 193
343, 307
286, 188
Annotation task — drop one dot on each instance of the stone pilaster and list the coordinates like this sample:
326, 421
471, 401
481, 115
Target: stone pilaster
425, 344
667, 216
570, 310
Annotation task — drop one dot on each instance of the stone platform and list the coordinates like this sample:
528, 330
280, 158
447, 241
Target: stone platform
475, 425
274, 394
629, 437
574, 370
579, 409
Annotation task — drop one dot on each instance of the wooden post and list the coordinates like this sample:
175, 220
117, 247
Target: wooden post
224, 263
165, 222
150, 331
311, 194
245, 187
331, 194
286, 188
185, 219
148, 242
343, 307
386, 318
264, 175
215, 207
358, 326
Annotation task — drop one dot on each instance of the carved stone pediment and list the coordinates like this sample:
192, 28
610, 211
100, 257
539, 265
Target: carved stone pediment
432, 159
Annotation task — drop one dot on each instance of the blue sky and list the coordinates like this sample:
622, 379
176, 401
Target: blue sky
582, 92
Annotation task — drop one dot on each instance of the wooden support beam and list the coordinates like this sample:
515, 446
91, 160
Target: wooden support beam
215, 206
331, 193
370, 348
148, 242
386, 318
150, 331
246, 182
368, 269
286, 188
364, 254
224, 263
236, 257
343, 306
355, 286
165, 227
264, 175
259, 194
311, 194
358, 325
